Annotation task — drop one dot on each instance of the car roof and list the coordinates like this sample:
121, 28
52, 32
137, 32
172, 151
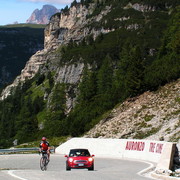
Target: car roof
79, 149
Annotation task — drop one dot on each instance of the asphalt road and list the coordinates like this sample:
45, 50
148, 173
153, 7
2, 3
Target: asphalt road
26, 167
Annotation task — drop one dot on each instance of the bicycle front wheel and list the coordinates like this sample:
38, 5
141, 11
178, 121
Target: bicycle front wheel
43, 164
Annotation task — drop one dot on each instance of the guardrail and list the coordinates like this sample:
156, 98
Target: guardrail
21, 150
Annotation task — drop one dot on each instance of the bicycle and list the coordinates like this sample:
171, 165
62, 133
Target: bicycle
44, 161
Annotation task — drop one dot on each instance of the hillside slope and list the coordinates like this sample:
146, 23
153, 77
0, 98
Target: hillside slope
17, 44
96, 55
152, 115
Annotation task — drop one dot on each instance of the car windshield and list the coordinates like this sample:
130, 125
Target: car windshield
79, 152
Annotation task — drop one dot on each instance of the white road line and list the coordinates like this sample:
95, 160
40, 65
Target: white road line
11, 173
150, 168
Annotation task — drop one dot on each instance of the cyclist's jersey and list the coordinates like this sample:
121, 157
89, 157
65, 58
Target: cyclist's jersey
44, 145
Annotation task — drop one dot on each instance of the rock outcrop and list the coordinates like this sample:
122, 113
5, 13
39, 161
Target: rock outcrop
140, 7
72, 26
31, 68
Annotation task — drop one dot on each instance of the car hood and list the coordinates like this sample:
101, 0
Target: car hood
80, 157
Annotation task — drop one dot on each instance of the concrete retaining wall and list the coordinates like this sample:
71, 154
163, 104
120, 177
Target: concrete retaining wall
124, 148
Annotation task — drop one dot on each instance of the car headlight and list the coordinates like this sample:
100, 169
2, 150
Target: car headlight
70, 159
90, 159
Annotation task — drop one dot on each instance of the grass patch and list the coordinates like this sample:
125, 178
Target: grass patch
148, 118
141, 134
177, 100
175, 137
41, 116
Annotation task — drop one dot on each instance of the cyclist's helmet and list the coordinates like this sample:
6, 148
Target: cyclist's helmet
43, 138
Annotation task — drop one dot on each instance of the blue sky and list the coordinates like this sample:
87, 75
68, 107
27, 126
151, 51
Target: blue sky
20, 10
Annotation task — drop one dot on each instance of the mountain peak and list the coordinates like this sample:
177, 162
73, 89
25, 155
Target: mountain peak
43, 15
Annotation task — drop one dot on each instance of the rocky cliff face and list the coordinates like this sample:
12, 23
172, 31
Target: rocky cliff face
42, 16
72, 26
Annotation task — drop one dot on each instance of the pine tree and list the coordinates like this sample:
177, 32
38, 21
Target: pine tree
130, 72
54, 122
135, 73
74, 3
104, 84
104, 76
87, 88
58, 99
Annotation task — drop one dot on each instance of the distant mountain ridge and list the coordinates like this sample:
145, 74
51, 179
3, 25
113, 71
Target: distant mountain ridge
17, 44
42, 16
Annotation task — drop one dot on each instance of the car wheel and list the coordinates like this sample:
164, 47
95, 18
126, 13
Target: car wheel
67, 167
91, 168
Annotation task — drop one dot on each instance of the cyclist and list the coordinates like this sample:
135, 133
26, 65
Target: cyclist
44, 146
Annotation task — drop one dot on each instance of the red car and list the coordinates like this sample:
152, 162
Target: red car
79, 158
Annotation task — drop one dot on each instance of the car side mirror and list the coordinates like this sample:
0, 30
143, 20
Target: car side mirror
66, 156
92, 155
